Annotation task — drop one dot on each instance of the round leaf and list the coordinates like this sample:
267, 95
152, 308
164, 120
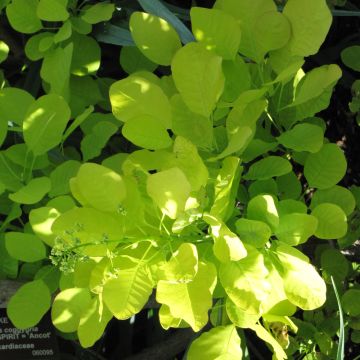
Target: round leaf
52, 10
29, 304
24, 247
350, 302
334, 263
325, 168
33, 192
198, 76
267, 168
45, 123
332, 222
217, 30
86, 55
215, 344
98, 13
147, 132
4, 51
14, 104
253, 232
155, 37
337, 195
136, 96
68, 307
295, 229
310, 22
133, 60
351, 57
22, 16
104, 189
303, 137
169, 189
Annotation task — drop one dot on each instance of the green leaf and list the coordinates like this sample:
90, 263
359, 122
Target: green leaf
195, 127
272, 31
198, 76
136, 96
190, 162
4, 51
147, 132
315, 83
11, 174
98, 13
55, 70
29, 304
68, 307
257, 147
8, 265
14, 104
245, 281
50, 275
86, 55
102, 188
169, 189
62, 203
289, 206
295, 229
24, 247
127, 294
80, 100
221, 342
303, 286
93, 322
182, 266
263, 208
226, 186
303, 137
237, 78
248, 13
227, 245
325, 168
289, 186
19, 155
41, 220
63, 33
267, 168
239, 317
133, 60
92, 144
337, 195
350, 57
154, 37
310, 22
263, 187
52, 10
350, 302
60, 177
190, 300
217, 30
334, 263
332, 221
22, 16
33, 192
241, 124
90, 227
253, 232
77, 122
45, 123
167, 320
156, 7
263, 334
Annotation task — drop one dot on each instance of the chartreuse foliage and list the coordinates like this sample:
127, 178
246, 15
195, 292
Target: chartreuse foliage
207, 208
